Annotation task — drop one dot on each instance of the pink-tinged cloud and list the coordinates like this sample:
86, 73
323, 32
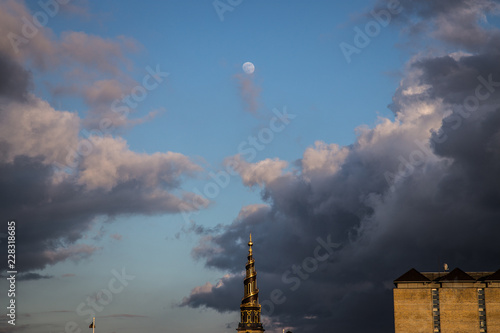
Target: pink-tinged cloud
25, 41
34, 128
68, 275
22, 40
88, 66
249, 210
208, 288
205, 244
73, 179
249, 93
75, 253
104, 92
124, 315
105, 54
322, 161
110, 163
60, 311
117, 237
260, 173
76, 8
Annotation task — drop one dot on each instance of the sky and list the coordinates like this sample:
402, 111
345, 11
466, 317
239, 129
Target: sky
137, 155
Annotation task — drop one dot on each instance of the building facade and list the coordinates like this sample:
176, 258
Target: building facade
447, 302
250, 309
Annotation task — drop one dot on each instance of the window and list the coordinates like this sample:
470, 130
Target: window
435, 311
481, 304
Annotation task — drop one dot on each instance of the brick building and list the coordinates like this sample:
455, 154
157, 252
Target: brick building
447, 302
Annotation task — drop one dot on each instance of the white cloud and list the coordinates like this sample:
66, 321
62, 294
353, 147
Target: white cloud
323, 159
260, 173
36, 129
111, 162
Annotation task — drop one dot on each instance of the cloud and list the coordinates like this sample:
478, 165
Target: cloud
124, 315
249, 210
68, 275
33, 128
109, 101
111, 163
249, 93
259, 173
96, 52
25, 41
66, 209
197, 229
75, 253
77, 8
60, 311
215, 255
323, 160
104, 92
16, 81
461, 23
89, 67
50, 175
117, 237
199, 296
32, 276
415, 191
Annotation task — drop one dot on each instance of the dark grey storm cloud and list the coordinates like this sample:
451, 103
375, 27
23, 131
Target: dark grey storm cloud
15, 81
54, 216
461, 23
32, 276
417, 192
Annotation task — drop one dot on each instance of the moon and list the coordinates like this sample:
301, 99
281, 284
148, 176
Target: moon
248, 67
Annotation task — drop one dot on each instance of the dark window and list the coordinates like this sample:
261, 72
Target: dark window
435, 311
481, 303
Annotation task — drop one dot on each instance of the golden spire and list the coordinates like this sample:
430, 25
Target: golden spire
250, 309
250, 243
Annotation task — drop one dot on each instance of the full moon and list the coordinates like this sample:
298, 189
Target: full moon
248, 67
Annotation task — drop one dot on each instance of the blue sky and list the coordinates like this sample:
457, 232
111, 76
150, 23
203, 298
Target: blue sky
143, 200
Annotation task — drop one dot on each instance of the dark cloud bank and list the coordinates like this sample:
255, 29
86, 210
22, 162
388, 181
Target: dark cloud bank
418, 191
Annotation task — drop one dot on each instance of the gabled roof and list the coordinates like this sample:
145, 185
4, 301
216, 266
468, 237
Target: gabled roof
457, 275
493, 277
412, 276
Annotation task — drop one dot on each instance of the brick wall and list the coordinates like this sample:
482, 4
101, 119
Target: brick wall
459, 310
413, 310
492, 309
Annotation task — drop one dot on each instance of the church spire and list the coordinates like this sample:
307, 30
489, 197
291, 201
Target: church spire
250, 308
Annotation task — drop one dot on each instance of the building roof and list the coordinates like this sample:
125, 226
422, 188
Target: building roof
457, 275
412, 276
493, 277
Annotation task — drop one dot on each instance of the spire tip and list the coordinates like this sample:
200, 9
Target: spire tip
250, 243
